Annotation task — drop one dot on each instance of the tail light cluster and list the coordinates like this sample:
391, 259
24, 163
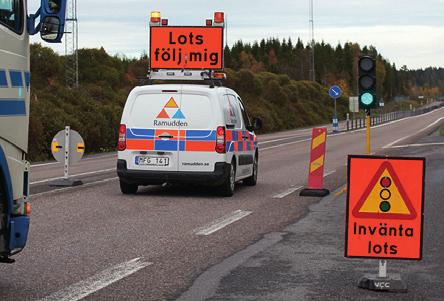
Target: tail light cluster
121, 144
220, 140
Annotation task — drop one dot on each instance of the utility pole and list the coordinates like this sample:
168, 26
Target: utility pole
312, 74
71, 45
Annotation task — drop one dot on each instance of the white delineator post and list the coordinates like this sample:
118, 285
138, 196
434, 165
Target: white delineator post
67, 143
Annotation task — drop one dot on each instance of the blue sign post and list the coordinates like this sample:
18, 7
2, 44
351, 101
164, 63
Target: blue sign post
335, 92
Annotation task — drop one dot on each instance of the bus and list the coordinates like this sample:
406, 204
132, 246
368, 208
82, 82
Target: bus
16, 26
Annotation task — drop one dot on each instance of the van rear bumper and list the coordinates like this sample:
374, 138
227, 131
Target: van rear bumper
148, 177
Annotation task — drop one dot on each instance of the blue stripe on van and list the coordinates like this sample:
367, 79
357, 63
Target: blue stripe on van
16, 79
160, 145
3, 81
139, 133
12, 107
200, 135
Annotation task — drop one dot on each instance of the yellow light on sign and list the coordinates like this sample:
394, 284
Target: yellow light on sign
155, 17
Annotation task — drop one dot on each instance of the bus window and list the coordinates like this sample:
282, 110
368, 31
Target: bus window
11, 14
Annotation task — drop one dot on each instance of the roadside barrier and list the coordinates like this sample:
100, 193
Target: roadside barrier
358, 121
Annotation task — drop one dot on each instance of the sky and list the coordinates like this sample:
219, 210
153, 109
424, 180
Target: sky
407, 32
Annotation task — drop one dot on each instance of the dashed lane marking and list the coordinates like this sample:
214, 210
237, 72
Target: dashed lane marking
287, 192
329, 173
222, 222
99, 281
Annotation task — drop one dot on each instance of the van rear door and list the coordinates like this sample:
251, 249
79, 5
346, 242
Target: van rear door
153, 131
198, 153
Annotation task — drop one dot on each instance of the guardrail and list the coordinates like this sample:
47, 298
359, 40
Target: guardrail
377, 118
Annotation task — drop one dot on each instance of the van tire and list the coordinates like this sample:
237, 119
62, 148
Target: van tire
252, 181
128, 188
227, 187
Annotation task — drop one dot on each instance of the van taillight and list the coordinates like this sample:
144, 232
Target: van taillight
220, 140
121, 145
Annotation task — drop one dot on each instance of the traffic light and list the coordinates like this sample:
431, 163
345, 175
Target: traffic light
367, 82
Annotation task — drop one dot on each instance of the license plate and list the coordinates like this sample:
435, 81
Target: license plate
153, 161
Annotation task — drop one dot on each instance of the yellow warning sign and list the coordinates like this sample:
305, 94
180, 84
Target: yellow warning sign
171, 104
385, 197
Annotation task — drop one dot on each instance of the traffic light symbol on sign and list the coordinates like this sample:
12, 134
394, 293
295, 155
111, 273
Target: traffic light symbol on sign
385, 197
367, 82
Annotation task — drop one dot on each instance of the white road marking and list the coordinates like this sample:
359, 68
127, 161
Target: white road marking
287, 192
99, 281
76, 175
285, 144
418, 145
44, 164
329, 173
105, 156
406, 137
75, 187
222, 222
281, 139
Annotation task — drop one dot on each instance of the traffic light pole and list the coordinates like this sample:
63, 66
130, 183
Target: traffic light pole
382, 263
368, 125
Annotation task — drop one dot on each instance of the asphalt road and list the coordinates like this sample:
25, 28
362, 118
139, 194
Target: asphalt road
92, 242
305, 260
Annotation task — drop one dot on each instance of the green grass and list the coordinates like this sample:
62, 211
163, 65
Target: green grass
441, 131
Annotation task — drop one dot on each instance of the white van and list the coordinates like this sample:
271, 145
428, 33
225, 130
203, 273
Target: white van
186, 134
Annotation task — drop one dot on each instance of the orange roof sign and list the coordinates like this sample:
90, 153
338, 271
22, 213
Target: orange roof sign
180, 47
385, 207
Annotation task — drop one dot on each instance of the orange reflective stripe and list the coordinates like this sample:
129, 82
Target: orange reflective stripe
139, 144
200, 146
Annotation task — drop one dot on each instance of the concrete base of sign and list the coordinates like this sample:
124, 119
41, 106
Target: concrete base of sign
392, 283
314, 192
65, 183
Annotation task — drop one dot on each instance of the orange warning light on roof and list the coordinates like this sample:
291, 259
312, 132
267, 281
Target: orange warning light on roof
155, 17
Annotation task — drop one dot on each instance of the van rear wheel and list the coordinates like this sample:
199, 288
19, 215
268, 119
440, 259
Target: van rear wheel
128, 188
227, 188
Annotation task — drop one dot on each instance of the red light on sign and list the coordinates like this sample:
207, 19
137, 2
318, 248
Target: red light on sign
219, 17
164, 22
209, 22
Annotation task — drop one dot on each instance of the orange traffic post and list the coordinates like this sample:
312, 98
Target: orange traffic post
316, 168
385, 205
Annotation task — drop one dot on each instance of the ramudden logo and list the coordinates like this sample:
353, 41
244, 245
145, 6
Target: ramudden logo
170, 109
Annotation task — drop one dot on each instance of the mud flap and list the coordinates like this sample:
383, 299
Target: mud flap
19, 227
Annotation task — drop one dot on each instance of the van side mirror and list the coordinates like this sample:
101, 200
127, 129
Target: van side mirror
256, 124
52, 20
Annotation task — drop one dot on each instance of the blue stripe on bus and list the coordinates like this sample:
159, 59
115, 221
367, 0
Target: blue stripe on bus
27, 79
12, 107
16, 79
3, 81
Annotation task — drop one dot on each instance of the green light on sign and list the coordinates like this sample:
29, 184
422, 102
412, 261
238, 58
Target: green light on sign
367, 98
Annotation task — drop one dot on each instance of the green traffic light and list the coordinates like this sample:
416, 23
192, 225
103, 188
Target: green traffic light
367, 98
